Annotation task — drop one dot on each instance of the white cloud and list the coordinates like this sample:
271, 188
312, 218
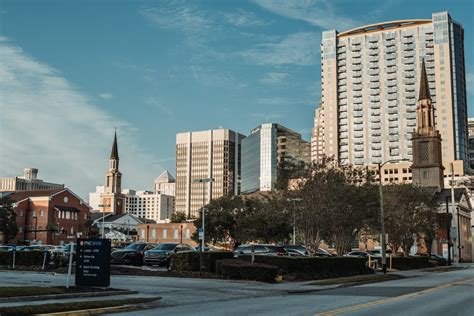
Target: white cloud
272, 78
243, 18
45, 122
316, 12
106, 96
267, 117
158, 105
298, 49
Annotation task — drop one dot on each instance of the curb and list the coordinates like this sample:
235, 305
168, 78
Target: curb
64, 296
94, 311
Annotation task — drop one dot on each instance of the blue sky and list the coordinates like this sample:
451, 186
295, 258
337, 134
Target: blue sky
71, 71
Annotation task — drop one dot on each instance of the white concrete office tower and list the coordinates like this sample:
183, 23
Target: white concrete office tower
369, 89
206, 154
264, 149
95, 197
317, 137
165, 183
150, 205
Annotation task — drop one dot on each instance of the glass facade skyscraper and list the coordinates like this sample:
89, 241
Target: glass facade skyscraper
262, 151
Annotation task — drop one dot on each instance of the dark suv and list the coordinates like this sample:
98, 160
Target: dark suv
132, 254
258, 249
160, 255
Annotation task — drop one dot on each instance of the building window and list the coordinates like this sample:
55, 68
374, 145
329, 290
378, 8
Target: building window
33, 214
165, 233
41, 213
153, 233
188, 233
142, 234
176, 233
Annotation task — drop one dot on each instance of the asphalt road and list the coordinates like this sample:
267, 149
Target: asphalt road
424, 293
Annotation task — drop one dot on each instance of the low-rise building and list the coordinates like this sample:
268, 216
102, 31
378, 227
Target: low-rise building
169, 232
29, 182
51, 216
123, 223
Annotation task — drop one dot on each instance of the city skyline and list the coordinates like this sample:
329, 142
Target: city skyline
240, 63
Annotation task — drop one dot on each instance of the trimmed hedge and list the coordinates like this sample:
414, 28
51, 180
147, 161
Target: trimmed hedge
189, 261
244, 270
24, 258
407, 263
313, 268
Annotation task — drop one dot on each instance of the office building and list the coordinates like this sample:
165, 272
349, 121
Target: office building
206, 154
165, 184
471, 144
317, 137
147, 204
28, 182
267, 146
369, 89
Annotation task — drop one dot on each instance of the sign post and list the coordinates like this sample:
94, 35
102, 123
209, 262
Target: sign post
93, 262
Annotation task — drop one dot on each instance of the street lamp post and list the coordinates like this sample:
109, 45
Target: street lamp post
203, 181
382, 215
294, 200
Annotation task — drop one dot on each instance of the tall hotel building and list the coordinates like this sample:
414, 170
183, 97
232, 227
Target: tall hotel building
369, 89
206, 154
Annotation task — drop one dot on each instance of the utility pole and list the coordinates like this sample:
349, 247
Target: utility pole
203, 181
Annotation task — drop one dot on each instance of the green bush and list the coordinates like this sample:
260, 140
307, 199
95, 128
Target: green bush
24, 258
313, 268
244, 270
190, 261
408, 263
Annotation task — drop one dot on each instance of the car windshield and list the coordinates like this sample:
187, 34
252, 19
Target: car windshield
135, 247
165, 247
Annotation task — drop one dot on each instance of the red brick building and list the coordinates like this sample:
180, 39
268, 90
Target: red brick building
167, 232
50, 216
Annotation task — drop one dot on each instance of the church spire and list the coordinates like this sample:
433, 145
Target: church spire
425, 110
114, 153
424, 87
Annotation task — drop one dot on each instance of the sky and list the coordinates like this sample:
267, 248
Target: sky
73, 71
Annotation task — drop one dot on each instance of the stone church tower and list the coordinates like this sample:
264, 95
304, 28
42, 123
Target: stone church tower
427, 168
112, 199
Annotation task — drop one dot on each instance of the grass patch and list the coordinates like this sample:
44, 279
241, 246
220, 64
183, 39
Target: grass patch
16, 291
55, 308
360, 279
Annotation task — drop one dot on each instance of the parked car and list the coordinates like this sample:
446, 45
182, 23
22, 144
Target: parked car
64, 250
323, 253
132, 254
6, 248
161, 254
294, 250
38, 248
378, 252
359, 254
258, 249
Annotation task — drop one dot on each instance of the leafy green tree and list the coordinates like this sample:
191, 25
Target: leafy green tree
8, 225
410, 213
220, 218
178, 217
336, 203
263, 219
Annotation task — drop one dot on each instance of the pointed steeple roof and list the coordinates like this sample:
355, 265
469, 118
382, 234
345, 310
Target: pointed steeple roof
114, 153
165, 177
424, 87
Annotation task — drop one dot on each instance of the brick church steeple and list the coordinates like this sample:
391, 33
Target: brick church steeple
427, 168
112, 198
